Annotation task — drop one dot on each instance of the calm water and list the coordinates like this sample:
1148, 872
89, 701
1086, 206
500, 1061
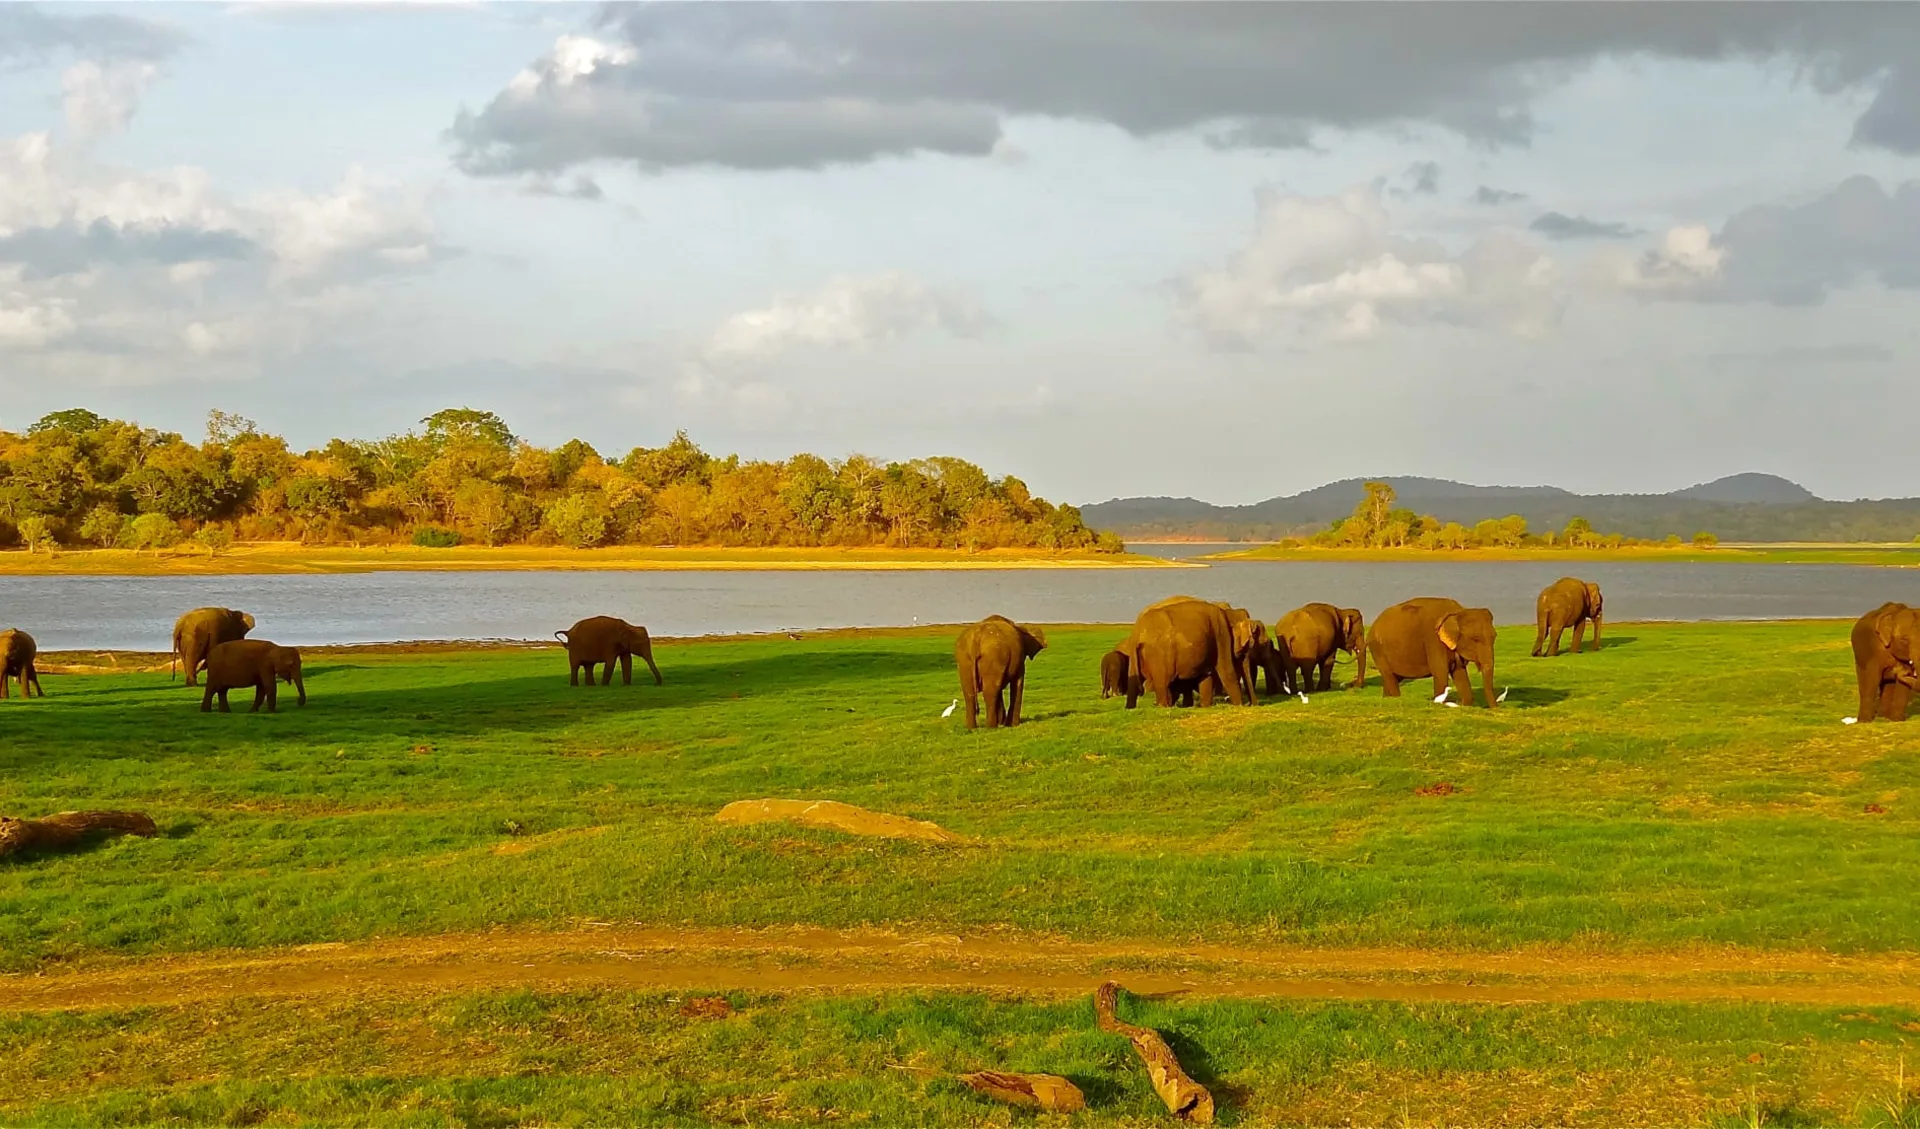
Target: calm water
138, 612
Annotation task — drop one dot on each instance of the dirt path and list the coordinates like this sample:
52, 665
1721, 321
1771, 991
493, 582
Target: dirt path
862, 961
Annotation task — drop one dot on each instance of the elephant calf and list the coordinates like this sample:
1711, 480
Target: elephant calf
1113, 673
1567, 602
198, 632
1310, 637
992, 656
604, 639
17, 651
256, 663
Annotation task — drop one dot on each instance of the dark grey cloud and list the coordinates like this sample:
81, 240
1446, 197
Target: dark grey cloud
1494, 197
1266, 133
789, 85
1558, 225
68, 248
1423, 177
1795, 255
32, 34
1802, 356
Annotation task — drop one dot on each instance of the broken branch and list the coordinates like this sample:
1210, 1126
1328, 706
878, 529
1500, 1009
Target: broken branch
1186, 1099
68, 829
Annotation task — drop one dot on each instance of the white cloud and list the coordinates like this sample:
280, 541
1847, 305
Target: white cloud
101, 98
26, 326
1332, 265
1685, 259
846, 312
360, 228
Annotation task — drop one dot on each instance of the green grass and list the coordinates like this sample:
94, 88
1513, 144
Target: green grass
624, 1058
1690, 783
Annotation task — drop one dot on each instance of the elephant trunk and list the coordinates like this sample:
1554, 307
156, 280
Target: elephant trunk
1486, 680
1596, 630
300, 687
1360, 661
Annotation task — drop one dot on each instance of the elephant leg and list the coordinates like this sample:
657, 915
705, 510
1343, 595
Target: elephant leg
573, 672
1894, 700
970, 690
224, 706
1325, 681
1206, 691
626, 669
273, 693
1017, 691
1869, 693
990, 688
1539, 634
1579, 634
4, 693
606, 671
206, 700
259, 695
1389, 681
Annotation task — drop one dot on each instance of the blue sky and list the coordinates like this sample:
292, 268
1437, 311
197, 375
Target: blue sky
1227, 252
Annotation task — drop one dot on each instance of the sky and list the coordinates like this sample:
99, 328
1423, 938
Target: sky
1223, 251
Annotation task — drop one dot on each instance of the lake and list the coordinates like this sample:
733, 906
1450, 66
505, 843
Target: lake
137, 613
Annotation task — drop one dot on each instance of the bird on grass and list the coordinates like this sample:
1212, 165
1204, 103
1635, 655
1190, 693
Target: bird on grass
948, 712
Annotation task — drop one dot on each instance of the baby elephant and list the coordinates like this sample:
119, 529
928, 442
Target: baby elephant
604, 639
256, 663
992, 656
17, 650
1113, 674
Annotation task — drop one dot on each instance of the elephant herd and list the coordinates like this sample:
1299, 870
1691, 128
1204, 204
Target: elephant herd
1183, 648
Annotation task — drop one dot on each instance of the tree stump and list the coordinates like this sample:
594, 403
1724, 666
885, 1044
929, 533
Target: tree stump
68, 829
1034, 1091
1186, 1099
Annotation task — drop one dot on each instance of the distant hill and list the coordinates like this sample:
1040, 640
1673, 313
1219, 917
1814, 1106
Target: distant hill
1740, 507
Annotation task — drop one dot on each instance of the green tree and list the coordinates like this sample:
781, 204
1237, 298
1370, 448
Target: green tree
450, 425
225, 427
485, 508
154, 531
79, 421
579, 520
1579, 531
36, 532
1704, 540
213, 538
103, 525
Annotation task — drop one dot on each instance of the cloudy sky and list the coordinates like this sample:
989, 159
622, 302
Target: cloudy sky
1227, 251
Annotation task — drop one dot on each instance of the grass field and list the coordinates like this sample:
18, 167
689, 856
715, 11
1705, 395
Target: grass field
1681, 809
293, 557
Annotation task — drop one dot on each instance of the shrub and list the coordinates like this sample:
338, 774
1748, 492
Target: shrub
434, 537
579, 520
35, 532
153, 531
213, 538
1704, 540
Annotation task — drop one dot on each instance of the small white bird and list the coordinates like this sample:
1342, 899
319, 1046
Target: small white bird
948, 712
1440, 699
1303, 699
1453, 705
1503, 695
1849, 721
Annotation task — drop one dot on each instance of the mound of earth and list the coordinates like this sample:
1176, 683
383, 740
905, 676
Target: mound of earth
836, 816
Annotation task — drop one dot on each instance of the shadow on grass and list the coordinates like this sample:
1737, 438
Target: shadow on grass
1612, 641
1535, 697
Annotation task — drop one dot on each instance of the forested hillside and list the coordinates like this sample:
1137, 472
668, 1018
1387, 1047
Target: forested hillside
76, 478
1787, 513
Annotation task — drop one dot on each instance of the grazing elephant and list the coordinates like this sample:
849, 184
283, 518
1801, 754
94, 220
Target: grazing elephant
17, 650
1250, 649
256, 663
992, 656
1182, 644
605, 639
1311, 636
1113, 673
1436, 638
1565, 603
1886, 650
201, 630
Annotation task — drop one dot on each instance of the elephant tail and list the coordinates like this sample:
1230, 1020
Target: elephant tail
562, 636
173, 660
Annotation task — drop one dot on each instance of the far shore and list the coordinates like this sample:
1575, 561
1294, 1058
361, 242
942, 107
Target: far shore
281, 557
1894, 555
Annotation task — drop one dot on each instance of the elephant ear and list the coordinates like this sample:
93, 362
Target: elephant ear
1032, 641
1593, 598
1350, 628
1450, 631
1884, 628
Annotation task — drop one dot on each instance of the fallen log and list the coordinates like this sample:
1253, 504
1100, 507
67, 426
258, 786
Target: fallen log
1033, 1091
68, 829
1186, 1099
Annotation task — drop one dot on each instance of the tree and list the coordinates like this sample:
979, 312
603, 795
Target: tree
451, 425
35, 531
1579, 531
153, 531
103, 525
79, 421
483, 507
579, 520
225, 427
213, 538
1704, 540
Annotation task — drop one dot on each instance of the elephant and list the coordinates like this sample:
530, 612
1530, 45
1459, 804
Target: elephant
1311, 636
1182, 644
201, 630
1113, 673
256, 663
1434, 637
605, 639
1567, 602
1886, 649
17, 651
992, 656
1250, 654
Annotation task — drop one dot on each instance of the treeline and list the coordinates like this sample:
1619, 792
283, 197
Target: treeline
1378, 523
76, 478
